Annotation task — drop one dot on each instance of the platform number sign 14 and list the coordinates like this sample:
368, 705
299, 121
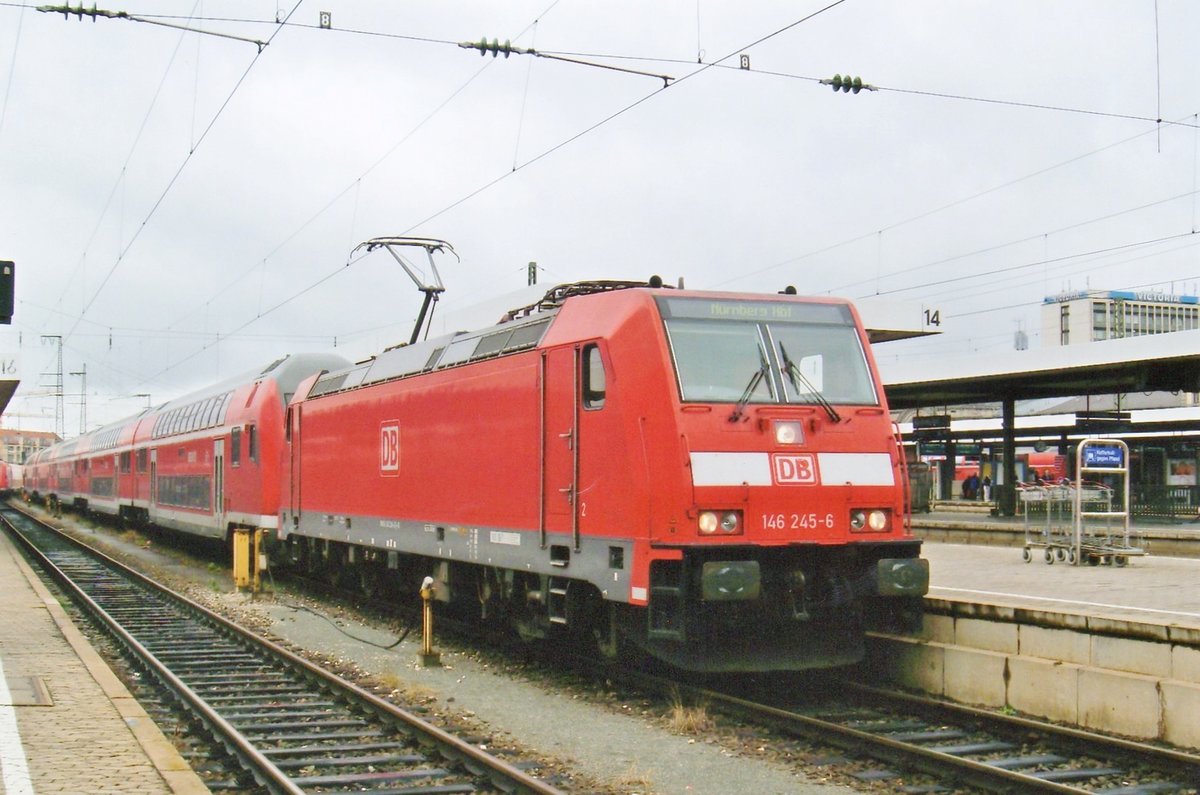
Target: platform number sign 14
389, 448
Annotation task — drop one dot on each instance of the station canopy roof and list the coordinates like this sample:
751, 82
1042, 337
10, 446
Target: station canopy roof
7, 388
1156, 362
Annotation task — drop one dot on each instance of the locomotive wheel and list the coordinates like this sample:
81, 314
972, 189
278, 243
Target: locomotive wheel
1049, 556
1026, 554
312, 561
1072, 558
1120, 561
369, 581
608, 642
1060, 554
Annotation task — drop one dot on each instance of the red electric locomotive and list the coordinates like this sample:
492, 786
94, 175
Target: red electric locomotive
203, 464
712, 478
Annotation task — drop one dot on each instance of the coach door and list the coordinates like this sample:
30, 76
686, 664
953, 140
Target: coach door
559, 443
219, 481
292, 447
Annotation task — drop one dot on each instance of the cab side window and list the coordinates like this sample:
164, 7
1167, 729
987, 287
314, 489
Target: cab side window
594, 381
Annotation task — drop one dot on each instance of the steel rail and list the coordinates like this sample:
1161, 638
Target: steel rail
504, 776
263, 771
1143, 753
943, 765
991, 779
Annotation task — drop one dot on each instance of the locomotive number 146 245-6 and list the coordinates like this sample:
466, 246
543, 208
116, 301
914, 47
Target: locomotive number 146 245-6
797, 521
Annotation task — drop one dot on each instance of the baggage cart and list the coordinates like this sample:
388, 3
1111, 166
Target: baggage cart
1097, 505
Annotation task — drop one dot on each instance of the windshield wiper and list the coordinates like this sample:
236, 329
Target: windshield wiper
797, 378
739, 408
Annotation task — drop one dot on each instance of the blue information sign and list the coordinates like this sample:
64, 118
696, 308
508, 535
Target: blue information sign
1104, 457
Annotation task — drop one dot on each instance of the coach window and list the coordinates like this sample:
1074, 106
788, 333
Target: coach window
141, 460
235, 447
252, 443
593, 378
126, 461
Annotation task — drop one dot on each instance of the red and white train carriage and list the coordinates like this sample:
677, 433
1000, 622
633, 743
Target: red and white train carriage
711, 477
203, 464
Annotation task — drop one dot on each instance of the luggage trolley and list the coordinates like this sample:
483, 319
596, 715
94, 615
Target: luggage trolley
1055, 535
1111, 545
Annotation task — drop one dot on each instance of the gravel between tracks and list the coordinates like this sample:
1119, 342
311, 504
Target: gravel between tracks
618, 748
627, 752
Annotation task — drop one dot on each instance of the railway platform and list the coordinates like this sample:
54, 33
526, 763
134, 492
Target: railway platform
67, 724
1109, 648
976, 557
1155, 589
964, 522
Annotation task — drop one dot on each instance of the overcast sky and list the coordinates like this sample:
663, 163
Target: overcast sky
182, 207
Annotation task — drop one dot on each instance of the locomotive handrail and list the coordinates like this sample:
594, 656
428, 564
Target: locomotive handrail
555, 296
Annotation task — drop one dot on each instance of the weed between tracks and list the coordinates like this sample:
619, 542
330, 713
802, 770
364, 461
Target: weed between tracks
635, 782
684, 719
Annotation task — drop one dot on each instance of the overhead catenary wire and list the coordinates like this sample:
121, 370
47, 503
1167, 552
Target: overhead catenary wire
356, 184
133, 147
175, 177
933, 211
486, 186
718, 64
874, 233
1085, 264
1022, 266
1008, 244
645, 98
12, 69
96, 13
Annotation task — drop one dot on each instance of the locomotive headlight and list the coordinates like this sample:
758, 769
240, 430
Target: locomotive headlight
788, 432
869, 521
727, 523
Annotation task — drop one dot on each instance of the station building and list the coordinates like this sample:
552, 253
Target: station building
1095, 315
18, 445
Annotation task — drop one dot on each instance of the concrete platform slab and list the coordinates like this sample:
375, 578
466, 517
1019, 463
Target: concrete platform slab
67, 724
1150, 590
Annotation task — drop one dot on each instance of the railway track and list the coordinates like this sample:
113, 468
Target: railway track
288, 725
957, 746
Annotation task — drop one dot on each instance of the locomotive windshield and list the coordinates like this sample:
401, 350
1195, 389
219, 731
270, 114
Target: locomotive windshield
766, 352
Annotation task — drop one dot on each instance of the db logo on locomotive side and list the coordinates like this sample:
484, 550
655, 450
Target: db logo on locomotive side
389, 448
796, 468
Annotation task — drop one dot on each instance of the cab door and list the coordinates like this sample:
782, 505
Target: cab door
559, 443
292, 446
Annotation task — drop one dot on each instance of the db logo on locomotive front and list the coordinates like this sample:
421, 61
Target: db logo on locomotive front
800, 468
389, 448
